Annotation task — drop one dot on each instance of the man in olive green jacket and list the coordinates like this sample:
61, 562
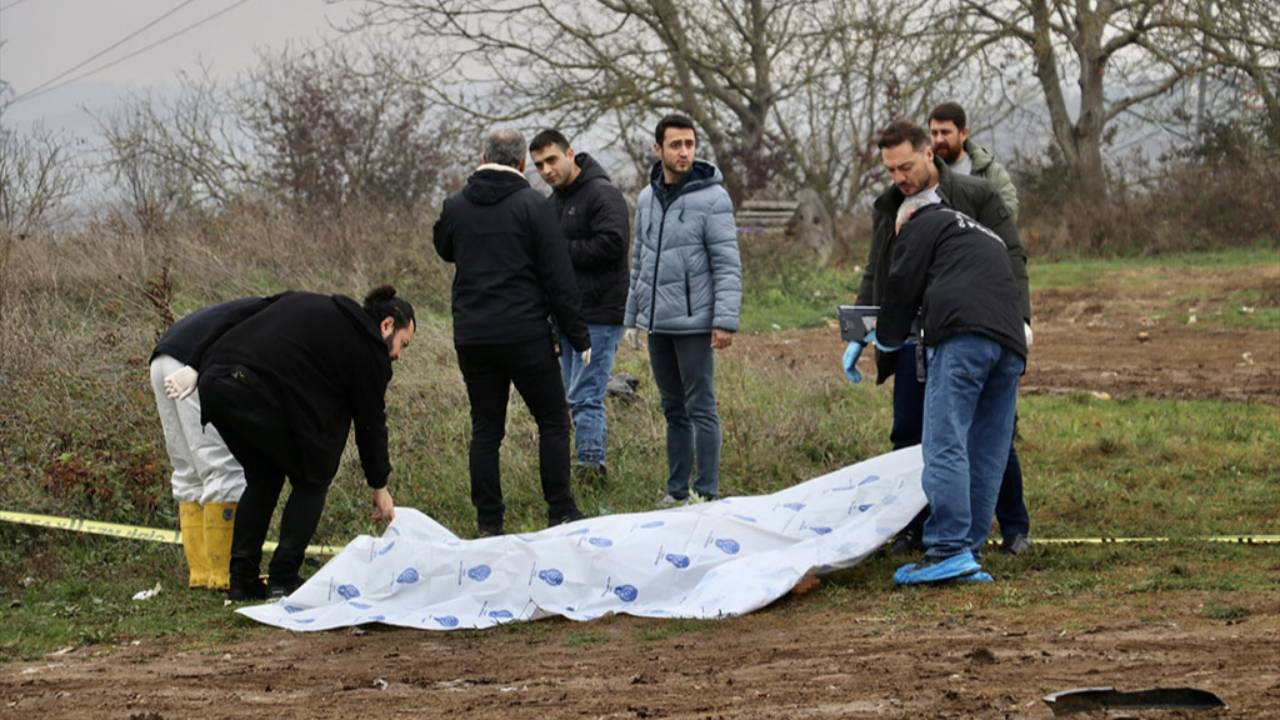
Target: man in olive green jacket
950, 131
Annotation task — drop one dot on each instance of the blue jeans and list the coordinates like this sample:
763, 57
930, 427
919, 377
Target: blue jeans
585, 386
685, 371
969, 405
908, 422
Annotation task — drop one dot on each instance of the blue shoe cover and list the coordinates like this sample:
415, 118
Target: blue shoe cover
981, 576
950, 568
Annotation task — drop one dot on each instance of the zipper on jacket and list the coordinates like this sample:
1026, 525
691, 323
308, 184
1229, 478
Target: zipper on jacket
657, 258
688, 298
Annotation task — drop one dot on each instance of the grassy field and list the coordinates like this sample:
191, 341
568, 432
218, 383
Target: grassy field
79, 437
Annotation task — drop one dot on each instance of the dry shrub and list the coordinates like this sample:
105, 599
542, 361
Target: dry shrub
1194, 207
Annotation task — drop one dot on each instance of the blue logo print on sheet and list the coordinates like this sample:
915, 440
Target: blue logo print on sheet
869, 479
408, 577
794, 506
551, 576
864, 508
360, 605
654, 524
728, 545
820, 529
448, 621
626, 593
600, 542
348, 591
387, 549
501, 614
680, 561
291, 609
479, 573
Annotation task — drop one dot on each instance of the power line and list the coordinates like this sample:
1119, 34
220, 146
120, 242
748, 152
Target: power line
105, 50
13, 4
34, 93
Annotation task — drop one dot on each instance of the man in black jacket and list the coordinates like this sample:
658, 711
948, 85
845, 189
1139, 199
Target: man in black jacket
907, 154
594, 217
955, 275
283, 381
513, 271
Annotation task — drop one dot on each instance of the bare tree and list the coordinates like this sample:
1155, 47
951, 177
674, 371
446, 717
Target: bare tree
36, 178
333, 129
1121, 53
786, 92
152, 188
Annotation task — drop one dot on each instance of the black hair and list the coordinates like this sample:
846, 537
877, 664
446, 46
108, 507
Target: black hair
547, 137
674, 120
900, 131
381, 302
949, 112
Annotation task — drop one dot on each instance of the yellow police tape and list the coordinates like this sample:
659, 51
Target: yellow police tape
129, 532
132, 532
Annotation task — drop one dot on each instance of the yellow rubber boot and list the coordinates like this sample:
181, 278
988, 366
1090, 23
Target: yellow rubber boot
191, 522
219, 522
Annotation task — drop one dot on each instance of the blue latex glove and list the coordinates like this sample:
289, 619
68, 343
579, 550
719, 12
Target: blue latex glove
871, 339
850, 361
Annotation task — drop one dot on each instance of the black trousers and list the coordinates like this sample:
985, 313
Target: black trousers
489, 371
250, 420
908, 429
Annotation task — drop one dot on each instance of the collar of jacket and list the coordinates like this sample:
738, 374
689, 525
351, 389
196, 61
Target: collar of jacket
701, 174
980, 156
890, 200
497, 166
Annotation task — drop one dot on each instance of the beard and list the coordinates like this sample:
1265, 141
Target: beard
948, 153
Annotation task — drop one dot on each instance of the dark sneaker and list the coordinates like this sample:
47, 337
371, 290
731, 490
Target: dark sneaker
596, 476
1015, 544
935, 570
277, 589
907, 542
257, 590
565, 517
484, 531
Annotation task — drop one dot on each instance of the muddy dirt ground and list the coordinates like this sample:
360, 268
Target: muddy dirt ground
801, 658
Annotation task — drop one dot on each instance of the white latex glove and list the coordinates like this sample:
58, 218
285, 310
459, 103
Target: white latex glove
631, 337
586, 357
1027, 328
181, 383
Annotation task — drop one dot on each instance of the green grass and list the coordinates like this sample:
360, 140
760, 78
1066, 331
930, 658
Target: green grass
1086, 271
78, 437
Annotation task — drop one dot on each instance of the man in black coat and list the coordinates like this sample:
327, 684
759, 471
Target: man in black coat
594, 217
283, 381
954, 275
907, 153
513, 271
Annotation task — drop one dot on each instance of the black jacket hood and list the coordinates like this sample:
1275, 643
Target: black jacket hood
490, 187
588, 170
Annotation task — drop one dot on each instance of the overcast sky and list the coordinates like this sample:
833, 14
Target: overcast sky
44, 38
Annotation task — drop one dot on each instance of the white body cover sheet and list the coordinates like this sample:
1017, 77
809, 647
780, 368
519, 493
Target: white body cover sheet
708, 560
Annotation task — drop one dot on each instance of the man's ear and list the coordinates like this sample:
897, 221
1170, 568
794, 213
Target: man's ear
387, 326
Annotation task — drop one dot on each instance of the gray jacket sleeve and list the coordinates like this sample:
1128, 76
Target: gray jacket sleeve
629, 314
721, 236
1003, 184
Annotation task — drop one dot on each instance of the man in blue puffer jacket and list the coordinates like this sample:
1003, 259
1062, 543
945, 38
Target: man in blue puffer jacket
685, 292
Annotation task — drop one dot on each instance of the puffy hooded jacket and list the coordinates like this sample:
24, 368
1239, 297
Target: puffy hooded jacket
594, 217
686, 273
986, 167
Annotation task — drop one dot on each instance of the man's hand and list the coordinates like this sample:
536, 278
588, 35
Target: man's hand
1030, 336
181, 383
631, 337
721, 339
383, 508
850, 361
586, 357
